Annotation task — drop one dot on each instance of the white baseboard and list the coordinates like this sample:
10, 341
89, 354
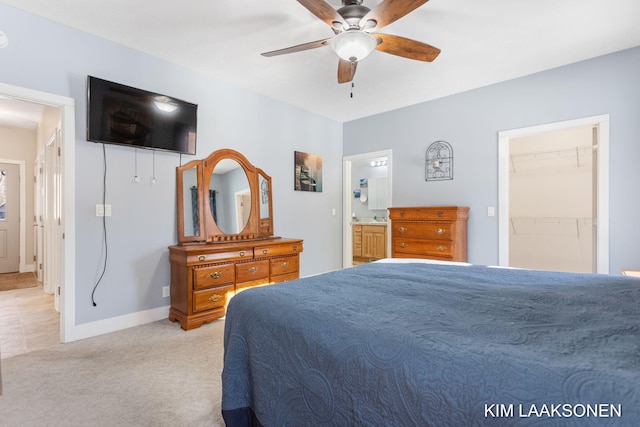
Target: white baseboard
27, 268
93, 329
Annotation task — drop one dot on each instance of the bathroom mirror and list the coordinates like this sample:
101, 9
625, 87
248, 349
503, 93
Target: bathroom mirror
223, 198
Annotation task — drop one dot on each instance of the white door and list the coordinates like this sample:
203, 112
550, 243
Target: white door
52, 218
9, 218
38, 216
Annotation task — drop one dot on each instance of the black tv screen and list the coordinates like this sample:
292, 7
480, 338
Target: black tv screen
119, 114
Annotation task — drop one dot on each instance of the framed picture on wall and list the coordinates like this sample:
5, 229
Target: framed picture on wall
307, 172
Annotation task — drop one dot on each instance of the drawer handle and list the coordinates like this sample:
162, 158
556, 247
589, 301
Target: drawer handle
264, 251
285, 264
403, 213
295, 248
253, 269
216, 274
441, 248
440, 231
242, 253
402, 229
214, 298
403, 245
440, 214
202, 258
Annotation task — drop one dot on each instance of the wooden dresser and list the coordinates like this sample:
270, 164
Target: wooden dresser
432, 232
205, 276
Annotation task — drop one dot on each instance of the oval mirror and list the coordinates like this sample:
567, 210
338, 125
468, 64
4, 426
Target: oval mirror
230, 196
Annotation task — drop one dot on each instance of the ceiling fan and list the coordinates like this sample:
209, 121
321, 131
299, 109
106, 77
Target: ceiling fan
354, 39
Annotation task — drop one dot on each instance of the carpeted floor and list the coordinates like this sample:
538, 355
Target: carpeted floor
151, 375
11, 281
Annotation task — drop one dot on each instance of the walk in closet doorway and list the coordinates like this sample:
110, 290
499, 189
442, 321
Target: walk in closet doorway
554, 196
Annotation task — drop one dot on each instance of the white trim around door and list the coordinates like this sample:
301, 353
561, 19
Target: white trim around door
602, 122
68, 329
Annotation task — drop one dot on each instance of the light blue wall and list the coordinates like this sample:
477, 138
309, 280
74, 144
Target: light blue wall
52, 58
471, 121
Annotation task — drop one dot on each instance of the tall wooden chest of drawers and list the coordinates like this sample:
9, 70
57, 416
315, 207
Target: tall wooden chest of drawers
432, 232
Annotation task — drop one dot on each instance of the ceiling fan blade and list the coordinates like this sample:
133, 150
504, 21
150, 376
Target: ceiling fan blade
389, 11
324, 11
346, 71
298, 48
407, 48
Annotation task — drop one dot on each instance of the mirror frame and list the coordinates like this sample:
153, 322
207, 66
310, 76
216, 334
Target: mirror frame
265, 225
209, 231
180, 170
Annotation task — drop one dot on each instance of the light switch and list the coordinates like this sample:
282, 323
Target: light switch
491, 211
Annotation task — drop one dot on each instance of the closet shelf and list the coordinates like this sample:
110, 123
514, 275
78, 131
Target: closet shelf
572, 153
542, 221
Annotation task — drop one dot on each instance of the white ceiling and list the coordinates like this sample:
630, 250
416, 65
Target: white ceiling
482, 42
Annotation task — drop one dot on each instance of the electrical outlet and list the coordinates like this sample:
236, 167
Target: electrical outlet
166, 291
103, 210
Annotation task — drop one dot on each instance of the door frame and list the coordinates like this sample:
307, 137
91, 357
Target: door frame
504, 138
347, 200
22, 267
68, 329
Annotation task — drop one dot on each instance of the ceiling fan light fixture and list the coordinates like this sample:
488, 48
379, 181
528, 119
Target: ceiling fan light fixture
353, 45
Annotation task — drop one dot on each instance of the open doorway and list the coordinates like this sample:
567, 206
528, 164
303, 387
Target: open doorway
554, 196
60, 195
357, 195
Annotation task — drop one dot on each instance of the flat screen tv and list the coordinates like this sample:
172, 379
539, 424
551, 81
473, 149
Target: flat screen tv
119, 114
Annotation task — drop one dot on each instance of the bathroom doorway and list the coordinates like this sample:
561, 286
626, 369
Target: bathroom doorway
350, 166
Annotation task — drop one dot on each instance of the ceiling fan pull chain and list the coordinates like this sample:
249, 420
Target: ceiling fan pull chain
352, 85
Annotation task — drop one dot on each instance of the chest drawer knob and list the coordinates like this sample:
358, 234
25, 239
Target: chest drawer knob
265, 251
441, 248
285, 264
253, 269
402, 229
201, 258
440, 214
242, 253
216, 274
440, 230
214, 298
403, 245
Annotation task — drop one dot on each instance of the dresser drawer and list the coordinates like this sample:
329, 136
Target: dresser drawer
437, 248
285, 277
414, 230
211, 298
426, 213
252, 271
274, 250
213, 276
285, 265
220, 256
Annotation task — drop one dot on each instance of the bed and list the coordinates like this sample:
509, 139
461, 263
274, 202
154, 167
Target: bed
415, 343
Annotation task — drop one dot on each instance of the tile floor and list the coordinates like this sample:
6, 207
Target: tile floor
28, 321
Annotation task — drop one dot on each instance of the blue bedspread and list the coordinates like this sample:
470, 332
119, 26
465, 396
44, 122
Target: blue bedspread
435, 345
